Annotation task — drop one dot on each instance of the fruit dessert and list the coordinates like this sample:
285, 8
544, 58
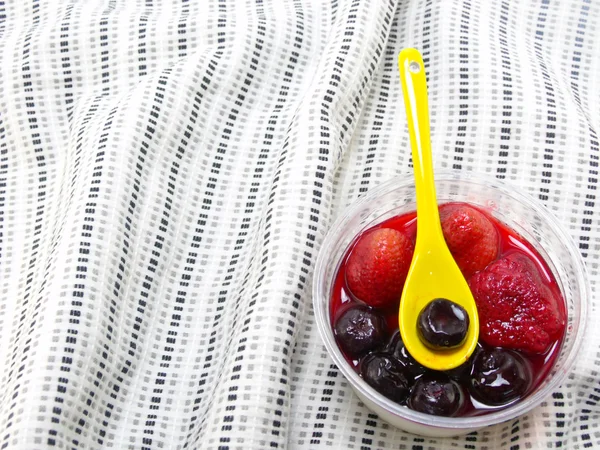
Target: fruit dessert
521, 313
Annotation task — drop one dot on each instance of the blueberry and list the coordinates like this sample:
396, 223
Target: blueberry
499, 376
437, 394
386, 375
359, 330
443, 324
397, 348
462, 373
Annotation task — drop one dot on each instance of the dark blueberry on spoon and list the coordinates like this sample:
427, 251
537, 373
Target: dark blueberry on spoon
359, 330
436, 394
443, 324
397, 348
499, 377
386, 375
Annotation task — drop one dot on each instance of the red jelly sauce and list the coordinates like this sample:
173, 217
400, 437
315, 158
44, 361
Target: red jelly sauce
509, 242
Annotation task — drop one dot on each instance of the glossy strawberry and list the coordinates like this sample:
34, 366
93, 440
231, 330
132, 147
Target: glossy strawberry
516, 310
378, 265
470, 236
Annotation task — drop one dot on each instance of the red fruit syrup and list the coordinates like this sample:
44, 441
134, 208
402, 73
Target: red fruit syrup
509, 242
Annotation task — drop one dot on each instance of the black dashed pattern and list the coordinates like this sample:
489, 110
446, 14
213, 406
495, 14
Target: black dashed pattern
168, 171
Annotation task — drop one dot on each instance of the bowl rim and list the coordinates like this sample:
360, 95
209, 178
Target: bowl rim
470, 422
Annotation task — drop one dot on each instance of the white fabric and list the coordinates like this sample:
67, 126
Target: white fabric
168, 170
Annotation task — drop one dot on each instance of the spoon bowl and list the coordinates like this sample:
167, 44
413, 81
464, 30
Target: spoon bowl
433, 272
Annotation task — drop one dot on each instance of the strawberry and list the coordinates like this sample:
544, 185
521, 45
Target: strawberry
470, 236
516, 310
377, 267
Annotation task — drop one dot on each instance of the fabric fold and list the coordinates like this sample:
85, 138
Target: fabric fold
169, 170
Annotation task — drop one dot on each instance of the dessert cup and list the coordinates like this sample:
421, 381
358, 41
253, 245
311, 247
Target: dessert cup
518, 211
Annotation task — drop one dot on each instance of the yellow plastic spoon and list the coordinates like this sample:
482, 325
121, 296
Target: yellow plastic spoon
433, 272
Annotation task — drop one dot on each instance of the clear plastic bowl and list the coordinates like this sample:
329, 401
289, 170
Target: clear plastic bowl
521, 213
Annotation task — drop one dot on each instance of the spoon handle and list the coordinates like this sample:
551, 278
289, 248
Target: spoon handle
414, 87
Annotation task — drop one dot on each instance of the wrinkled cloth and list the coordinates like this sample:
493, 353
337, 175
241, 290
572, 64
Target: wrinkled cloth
169, 170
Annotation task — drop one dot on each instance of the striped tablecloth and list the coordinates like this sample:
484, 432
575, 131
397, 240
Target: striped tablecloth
169, 169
